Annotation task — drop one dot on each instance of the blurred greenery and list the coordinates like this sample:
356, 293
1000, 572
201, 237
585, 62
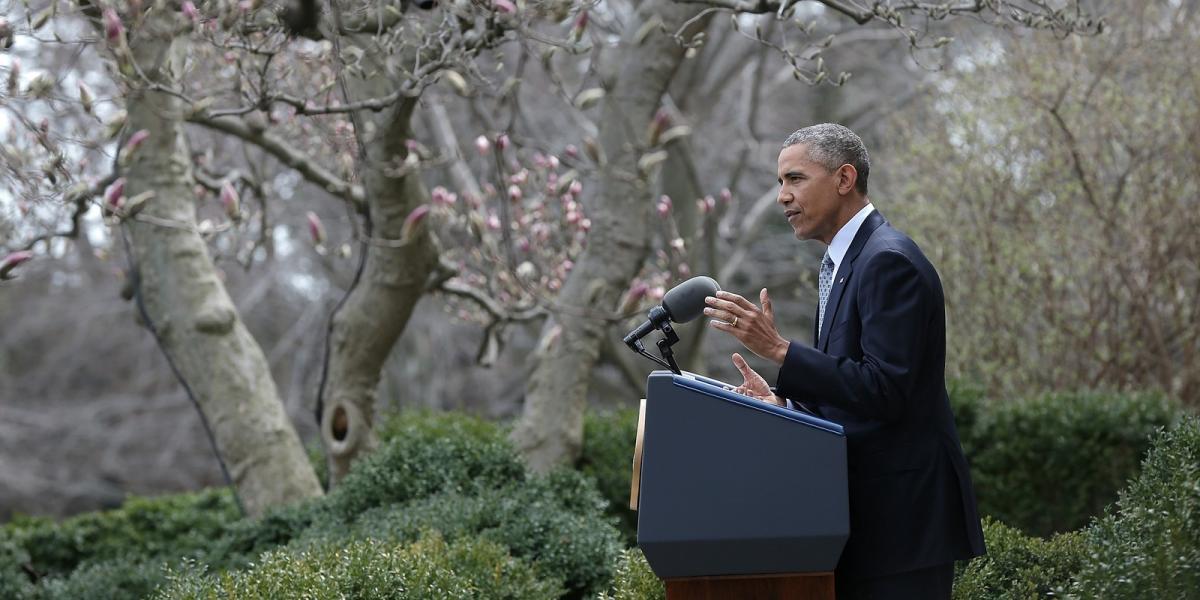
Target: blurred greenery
1053, 183
1049, 463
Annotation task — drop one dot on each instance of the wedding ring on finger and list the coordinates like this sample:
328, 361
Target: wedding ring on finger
733, 323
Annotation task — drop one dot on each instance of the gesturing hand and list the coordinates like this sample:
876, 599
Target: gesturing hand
753, 384
754, 328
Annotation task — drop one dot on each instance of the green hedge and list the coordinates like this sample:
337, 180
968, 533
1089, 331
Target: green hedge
441, 476
1050, 463
420, 454
116, 579
1019, 567
142, 527
556, 522
607, 457
1149, 545
429, 568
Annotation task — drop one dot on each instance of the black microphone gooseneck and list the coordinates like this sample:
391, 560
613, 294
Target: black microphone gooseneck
683, 303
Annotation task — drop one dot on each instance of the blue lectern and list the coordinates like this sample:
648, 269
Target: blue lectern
726, 485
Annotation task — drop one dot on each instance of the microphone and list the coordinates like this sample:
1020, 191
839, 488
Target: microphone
683, 303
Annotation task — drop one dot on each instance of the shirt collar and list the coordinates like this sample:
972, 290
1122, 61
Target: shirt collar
845, 235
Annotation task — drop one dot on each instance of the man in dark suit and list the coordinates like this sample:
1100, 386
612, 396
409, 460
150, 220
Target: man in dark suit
877, 367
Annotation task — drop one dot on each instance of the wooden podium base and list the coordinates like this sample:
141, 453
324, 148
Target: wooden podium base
797, 586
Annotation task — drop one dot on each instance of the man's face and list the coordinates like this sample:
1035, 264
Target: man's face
810, 195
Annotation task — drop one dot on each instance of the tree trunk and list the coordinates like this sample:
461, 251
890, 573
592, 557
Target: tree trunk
550, 430
367, 326
197, 324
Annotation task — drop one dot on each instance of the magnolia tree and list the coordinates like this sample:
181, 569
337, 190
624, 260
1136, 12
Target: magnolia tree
576, 218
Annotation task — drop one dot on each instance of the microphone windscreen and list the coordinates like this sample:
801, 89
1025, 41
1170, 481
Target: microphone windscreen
686, 301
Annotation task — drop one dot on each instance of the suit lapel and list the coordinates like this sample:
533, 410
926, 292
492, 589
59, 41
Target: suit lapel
845, 270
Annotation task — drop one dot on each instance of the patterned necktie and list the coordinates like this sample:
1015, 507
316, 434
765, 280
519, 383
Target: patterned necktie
825, 282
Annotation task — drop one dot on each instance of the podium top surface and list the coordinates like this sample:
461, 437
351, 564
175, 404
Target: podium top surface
713, 387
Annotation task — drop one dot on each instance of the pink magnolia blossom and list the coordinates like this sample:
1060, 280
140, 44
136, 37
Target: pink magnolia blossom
114, 194
189, 11
514, 192
230, 200
442, 196
636, 292
502, 141
135, 141
413, 221
585, 225
576, 187
316, 229
493, 222
571, 151
504, 6
12, 261
113, 28
482, 145
664, 206
726, 195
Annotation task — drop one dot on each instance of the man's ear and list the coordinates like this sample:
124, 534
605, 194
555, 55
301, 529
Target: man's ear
847, 176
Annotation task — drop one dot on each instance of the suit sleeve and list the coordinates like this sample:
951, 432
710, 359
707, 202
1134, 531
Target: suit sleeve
895, 304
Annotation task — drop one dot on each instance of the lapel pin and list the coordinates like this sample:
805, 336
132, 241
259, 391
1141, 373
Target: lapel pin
842, 280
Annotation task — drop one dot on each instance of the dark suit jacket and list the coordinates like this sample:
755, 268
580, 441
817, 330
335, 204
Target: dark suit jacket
878, 369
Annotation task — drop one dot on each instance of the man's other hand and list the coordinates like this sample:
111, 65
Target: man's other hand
753, 384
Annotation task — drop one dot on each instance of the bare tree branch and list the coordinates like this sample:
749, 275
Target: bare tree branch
285, 153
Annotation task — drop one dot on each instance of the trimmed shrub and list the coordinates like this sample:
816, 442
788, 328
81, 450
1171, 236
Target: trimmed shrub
429, 568
14, 582
427, 453
634, 580
420, 454
117, 579
607, 456
556, 522
143, 527
1019, 567
1050, 463
244, 540
1149, 546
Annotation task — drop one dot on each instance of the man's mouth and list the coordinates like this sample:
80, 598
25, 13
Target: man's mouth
788, 214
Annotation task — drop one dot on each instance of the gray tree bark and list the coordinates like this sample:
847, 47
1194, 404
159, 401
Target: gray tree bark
367, 325
550, 430
198, 327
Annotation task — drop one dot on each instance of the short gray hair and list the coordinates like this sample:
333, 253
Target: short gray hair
831, 146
